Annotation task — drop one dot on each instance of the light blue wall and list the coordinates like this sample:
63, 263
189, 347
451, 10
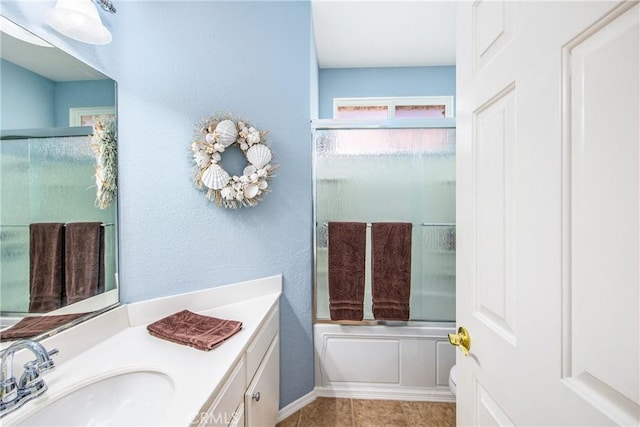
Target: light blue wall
32, 101
390, 81
92, 93
315, 75
26, 98
177, 62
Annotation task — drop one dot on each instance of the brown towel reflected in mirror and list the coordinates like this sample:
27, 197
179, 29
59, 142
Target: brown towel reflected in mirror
29, 327
46, 266
84, 260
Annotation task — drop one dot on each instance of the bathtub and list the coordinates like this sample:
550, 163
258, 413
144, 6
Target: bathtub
395, 361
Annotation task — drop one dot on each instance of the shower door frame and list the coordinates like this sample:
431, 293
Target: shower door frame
348, 124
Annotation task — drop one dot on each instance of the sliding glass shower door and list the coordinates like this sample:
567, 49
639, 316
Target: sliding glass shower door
386, 174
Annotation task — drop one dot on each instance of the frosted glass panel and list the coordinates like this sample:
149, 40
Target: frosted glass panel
45, 180
419, 111
407, 175
363, 112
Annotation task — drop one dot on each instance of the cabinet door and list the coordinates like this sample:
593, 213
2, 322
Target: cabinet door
262, 398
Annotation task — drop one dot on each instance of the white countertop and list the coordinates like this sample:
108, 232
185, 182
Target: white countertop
118, 342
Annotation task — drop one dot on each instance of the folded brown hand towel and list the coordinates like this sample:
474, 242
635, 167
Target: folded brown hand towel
31, 326
194, 330
391, 270
84, 260
347, 243
46, 250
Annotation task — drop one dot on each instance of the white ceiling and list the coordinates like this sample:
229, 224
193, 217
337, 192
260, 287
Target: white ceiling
348, 33
390, 33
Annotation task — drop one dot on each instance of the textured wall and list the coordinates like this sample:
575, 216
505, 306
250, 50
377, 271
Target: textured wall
177, 62
392, 81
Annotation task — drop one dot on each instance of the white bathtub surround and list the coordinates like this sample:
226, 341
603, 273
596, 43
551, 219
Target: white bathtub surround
118, 342
384, 362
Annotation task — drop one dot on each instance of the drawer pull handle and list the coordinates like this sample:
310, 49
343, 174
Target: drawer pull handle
256, 396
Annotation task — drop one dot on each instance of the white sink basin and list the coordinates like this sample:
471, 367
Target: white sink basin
133, 398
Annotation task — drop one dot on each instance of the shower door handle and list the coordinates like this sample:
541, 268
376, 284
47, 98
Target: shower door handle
462, 340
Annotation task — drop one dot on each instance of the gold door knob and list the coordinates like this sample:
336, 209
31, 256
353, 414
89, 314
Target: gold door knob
462, 340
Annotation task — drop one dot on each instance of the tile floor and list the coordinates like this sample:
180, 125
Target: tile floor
332, 412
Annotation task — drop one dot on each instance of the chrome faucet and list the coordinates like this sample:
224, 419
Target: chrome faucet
15, 394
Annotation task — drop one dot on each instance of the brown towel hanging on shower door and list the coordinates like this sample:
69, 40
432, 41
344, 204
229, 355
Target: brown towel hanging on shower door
391, 270
84, 260
46, 272
346, 253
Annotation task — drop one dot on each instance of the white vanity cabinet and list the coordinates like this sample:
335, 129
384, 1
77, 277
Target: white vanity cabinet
250, 395
262, 398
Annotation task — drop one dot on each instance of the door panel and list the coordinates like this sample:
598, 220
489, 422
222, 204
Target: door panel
548, 212
494, 153
602, 213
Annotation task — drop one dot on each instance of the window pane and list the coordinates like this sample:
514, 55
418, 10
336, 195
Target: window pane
419, 111
362, 112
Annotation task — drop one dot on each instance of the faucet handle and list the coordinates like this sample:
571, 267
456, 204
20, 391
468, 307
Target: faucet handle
30, 375
47, 364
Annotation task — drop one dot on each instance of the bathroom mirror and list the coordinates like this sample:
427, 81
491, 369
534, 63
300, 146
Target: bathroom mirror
49, 102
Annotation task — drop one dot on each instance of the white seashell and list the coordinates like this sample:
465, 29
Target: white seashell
263, 185
226, 133
253, 137
215, 177
216, 157
201, 159
267, 167
244, 146
259, 155
218, 147
251, 191
253, 177
209, 137
228, 193
249, 170
262, 173
239, 196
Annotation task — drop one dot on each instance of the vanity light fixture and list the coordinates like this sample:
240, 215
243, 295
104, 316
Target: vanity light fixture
79, 20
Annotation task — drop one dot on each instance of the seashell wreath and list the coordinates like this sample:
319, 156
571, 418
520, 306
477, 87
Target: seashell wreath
213, 137
103, 143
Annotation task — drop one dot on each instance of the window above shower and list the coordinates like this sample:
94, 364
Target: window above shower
412, 107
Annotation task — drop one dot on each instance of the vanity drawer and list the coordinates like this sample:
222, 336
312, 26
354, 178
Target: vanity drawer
223, 409
259, 346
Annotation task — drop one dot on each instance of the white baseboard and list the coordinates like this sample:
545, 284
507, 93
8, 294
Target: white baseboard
296, 405
426, 395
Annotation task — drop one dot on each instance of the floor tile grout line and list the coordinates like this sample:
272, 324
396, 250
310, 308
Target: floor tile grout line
353, 418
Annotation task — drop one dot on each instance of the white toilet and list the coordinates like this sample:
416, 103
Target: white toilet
452, 380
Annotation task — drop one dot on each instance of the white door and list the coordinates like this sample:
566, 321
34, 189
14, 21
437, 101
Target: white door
548, 212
